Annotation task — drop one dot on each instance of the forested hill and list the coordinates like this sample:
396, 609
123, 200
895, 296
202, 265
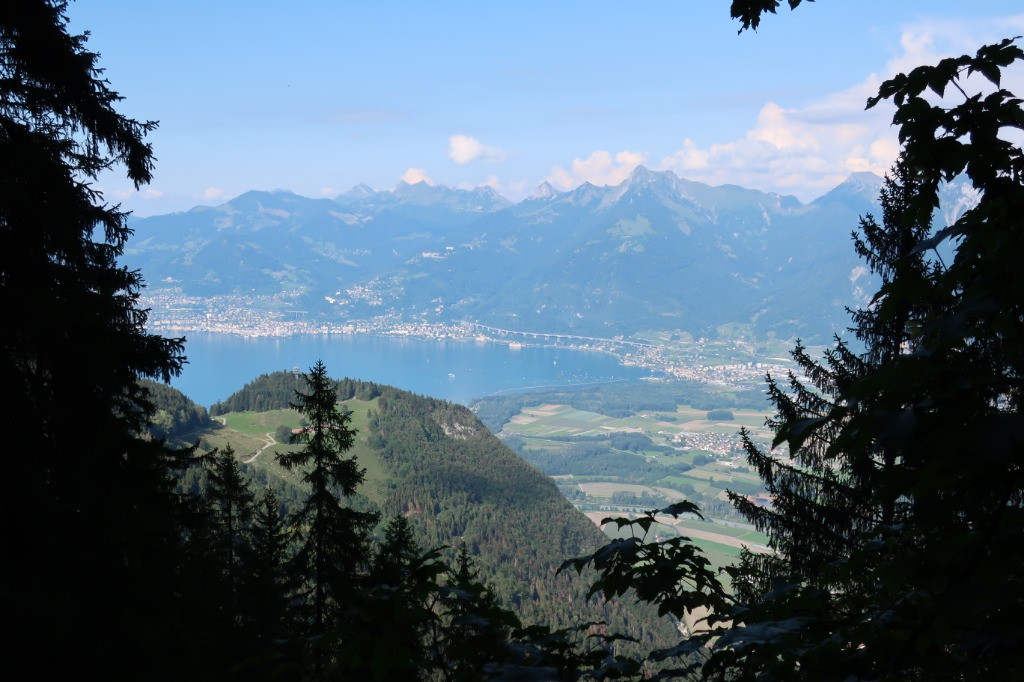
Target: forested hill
175, 415
276, 391
456, 482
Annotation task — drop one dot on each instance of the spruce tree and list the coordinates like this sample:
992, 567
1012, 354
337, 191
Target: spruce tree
93, 533
265, 557
823, 494
474, 637
397, 611
898, 523
896, 520
268, 620
231, 501
333, 551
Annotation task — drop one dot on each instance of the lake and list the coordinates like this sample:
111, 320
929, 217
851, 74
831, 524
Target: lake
459, 371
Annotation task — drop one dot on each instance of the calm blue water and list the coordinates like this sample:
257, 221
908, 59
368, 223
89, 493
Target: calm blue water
459, 371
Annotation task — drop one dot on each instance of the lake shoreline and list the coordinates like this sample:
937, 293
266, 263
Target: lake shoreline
461, 370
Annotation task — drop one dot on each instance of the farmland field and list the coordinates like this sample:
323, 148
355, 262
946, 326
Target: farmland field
651, 458
247, 433
607, 489
720, 543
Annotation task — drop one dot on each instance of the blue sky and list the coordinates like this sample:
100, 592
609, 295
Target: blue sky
317, 96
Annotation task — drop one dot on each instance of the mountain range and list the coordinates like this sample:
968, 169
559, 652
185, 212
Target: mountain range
654, 252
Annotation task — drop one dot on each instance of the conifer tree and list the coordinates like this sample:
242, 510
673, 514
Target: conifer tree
93, 532
396, 612
266, 590
476, 631
333, 550
895, 528
823, 495
266, 554
896, 523
232, 508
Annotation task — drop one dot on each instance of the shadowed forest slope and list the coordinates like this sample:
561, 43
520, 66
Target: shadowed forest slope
436, 464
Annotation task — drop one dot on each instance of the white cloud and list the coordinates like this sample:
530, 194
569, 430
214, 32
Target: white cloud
463, 149
927, 41
518, 190
600, 168
513, 191
414, 175
328, 192
212, 193
804, 152
808, 150
151, 193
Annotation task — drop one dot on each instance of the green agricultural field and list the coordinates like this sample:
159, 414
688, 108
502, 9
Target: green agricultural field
247, 433
542, 443
245, 446
682, 481
557, 421
743, 533
563, 421
365, 455
707, 475
718, 554
678, 458
261, 423
605, 490
561, 438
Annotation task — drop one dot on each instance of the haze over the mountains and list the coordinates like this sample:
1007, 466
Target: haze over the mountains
653, 252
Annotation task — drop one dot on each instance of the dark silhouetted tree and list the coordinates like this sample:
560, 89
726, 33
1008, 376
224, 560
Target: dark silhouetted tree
333, 550
921, 431
231, 501
92, 527
896, 524
824, 494
397, 611
268, 618
474, 636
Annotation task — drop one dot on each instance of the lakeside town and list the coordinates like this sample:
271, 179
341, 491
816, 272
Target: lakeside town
735, 362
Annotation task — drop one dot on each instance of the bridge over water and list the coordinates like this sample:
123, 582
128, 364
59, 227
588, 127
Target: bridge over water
557, 337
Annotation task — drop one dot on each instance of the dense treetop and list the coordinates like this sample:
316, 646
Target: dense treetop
92, 516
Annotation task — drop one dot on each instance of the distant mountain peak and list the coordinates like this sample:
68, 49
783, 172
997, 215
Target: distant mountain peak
662, 186
645, 177
642, 173
360, 190
402, 184
486, 191
584, 194
865, 179
544, 191
253, 197
860, 186
423, 194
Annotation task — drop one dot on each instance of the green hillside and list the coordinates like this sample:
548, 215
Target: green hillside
437, 465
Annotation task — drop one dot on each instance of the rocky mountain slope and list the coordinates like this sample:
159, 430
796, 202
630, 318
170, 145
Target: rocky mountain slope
655, 251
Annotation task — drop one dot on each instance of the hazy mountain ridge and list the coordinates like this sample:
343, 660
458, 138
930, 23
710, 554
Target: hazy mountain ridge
655, 251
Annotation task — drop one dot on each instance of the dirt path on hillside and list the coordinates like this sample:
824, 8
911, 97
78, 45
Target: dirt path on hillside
270, 442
